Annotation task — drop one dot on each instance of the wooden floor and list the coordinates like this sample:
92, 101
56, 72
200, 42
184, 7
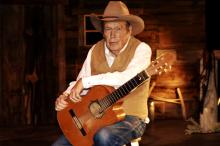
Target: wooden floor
158, 133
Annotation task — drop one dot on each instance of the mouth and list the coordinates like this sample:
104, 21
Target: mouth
113, 43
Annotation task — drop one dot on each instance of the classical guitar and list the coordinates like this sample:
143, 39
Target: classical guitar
100, 107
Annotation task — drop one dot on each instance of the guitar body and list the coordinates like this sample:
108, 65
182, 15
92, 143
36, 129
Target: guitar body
80, 121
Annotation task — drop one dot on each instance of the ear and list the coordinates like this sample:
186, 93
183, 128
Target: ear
130, 29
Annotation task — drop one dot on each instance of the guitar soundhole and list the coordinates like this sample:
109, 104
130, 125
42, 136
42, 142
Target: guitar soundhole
96, 109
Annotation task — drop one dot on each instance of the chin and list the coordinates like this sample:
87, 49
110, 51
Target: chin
114, 49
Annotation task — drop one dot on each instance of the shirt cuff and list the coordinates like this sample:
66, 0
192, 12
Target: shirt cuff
86, 82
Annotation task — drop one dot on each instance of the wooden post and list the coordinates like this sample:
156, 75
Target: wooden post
1, 56
61, 49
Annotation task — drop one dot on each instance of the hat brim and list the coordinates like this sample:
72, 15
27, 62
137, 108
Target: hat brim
136, 22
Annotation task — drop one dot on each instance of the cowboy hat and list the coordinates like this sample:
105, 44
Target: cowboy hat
118, 11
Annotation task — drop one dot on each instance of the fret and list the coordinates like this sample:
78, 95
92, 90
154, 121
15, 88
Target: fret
104, 103
131, 84
112, 98
135, 81
120, 92
124, 87
128, 85
108, 98
101, 103
123, 91
115, 96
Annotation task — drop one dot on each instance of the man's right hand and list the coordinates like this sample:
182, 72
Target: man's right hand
60, 103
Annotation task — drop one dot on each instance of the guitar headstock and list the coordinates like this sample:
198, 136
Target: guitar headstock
161, 64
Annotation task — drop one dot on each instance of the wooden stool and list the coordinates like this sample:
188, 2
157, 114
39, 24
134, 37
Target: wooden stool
178, 100
135, 142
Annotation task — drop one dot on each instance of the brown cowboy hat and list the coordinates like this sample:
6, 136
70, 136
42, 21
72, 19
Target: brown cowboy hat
117, 11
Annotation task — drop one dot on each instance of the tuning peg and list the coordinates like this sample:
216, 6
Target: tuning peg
170, 67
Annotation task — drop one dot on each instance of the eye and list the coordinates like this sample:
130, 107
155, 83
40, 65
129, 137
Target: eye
117, 28
107, 29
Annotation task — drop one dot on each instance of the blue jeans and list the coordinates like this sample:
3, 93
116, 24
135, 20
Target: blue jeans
117, 134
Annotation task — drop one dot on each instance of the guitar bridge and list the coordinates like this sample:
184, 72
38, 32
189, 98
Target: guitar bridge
77, 122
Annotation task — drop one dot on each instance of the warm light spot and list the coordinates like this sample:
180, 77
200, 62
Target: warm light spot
152, 103
218, 100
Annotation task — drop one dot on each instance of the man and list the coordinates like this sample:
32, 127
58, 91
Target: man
113, 61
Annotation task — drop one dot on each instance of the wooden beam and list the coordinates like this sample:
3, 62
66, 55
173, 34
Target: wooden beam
26, 2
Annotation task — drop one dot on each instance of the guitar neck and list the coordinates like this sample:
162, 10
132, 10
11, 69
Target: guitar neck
123, 90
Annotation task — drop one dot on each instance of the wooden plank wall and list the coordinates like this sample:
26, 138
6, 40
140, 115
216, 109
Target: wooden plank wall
12, 64
28, 64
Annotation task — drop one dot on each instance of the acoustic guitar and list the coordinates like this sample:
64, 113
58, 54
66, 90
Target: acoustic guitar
101, 107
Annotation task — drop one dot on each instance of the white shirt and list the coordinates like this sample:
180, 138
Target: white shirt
139, 62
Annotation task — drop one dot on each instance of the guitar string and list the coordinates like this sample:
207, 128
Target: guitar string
120, 92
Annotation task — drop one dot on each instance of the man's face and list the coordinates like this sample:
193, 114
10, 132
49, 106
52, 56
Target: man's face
116, 34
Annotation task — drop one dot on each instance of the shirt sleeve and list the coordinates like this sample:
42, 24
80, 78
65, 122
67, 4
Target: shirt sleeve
139, 62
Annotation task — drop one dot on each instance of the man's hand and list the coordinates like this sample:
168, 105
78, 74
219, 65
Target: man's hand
61, 103
74, 96
76, 90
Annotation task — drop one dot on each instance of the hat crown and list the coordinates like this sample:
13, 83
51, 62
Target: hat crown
118, 11
116, 8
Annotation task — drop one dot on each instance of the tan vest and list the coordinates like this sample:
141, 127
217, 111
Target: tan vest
136, 102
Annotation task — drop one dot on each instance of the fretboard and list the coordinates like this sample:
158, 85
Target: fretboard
123, 90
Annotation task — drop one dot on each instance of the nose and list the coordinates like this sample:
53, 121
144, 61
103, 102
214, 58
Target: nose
113, 33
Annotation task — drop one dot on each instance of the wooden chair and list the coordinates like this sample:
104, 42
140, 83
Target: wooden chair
135, 142
178, 100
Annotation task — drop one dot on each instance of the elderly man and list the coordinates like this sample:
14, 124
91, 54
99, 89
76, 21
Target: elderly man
113, 61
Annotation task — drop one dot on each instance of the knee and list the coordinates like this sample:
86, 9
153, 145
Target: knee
102, 137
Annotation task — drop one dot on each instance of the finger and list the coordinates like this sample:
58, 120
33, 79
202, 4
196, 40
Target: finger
62, 101
74, 99
60, 104
60, 107
78, 97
